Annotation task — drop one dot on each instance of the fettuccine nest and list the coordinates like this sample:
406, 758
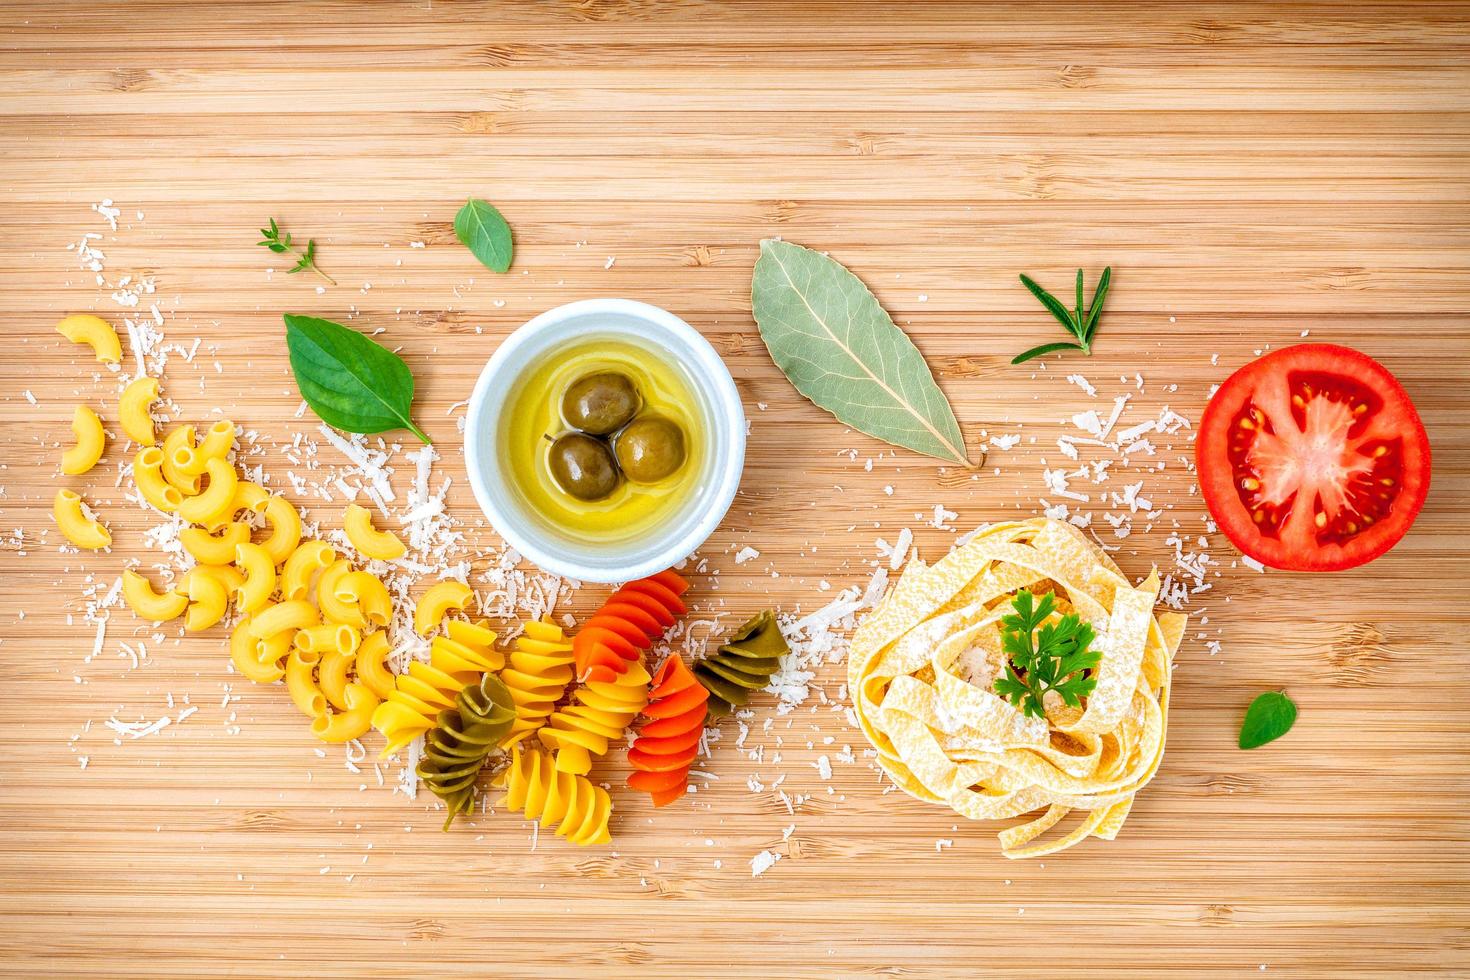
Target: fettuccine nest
923, 664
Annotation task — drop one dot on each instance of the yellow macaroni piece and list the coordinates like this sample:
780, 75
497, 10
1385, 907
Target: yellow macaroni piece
328, 638
289, 614
435, 604
132, 410
80, 528
572, 805
181, 437
418, 696
333, 608
372, 664
923, 664
214, 549
213, 503
599, 713
245, 655
332, 676
368, 593
368, 540
285, 525
301, 685
252, 497
218, 441
260, 576
146, 603
308, 558
537, 676
352, 721
209, 597
148, 475
96, 333
90, 441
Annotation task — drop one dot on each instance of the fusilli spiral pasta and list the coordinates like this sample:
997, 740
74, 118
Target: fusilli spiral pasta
456, 749
537, 675
572, 805
600, 712
428, 688
743, 664
627, 624
667, 744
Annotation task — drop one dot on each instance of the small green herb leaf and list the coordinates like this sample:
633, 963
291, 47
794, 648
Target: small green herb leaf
484, 232
1080, 325
1269, 717
1055, 658
1044, 349
351, 382
1098, 295
281, 244
1052, 304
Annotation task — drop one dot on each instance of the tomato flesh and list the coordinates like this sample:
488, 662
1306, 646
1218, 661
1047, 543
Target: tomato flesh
1313, 458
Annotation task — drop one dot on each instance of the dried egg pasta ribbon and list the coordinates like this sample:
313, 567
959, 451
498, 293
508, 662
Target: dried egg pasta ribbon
922, 667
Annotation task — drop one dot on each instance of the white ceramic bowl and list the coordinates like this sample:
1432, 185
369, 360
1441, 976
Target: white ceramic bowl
722, 464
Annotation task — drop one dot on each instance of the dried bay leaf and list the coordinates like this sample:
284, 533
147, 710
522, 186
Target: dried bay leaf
830, 337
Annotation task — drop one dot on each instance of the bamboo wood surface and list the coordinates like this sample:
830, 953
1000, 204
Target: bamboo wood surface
1249, 170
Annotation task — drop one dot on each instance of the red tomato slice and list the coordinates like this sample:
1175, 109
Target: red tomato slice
1313, 458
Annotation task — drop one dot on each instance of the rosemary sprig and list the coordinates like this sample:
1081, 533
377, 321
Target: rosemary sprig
1079, 324
280, 243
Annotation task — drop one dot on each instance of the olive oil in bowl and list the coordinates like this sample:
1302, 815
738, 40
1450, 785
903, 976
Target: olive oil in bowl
588, 458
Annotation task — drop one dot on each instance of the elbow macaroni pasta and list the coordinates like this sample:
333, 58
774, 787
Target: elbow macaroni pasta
435, 604
146, 603
332, 607
368, 540
368, 593
260, 576
148, 475
96, 333
216, 498
132, 410
180, 437
285, 525
372, 664
302, 686
208, 598
289, 614
82, 530
308, 558
215, 548
352, 721
245, 655
90, 441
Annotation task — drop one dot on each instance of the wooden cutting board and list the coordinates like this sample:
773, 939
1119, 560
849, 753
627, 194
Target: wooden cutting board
1250, 171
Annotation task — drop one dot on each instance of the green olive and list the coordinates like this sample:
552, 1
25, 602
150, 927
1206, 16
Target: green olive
649, 449
583, 466
600, 404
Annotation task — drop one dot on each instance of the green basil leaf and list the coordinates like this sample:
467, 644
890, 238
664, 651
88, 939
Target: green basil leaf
484, 232
351, 382
1269, 717
836, 344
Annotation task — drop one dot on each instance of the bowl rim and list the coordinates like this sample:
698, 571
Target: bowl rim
709, 368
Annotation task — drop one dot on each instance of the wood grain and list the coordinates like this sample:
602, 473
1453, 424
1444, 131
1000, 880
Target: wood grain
1250, 170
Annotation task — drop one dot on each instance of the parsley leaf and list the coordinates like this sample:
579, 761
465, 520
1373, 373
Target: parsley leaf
1044, 655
